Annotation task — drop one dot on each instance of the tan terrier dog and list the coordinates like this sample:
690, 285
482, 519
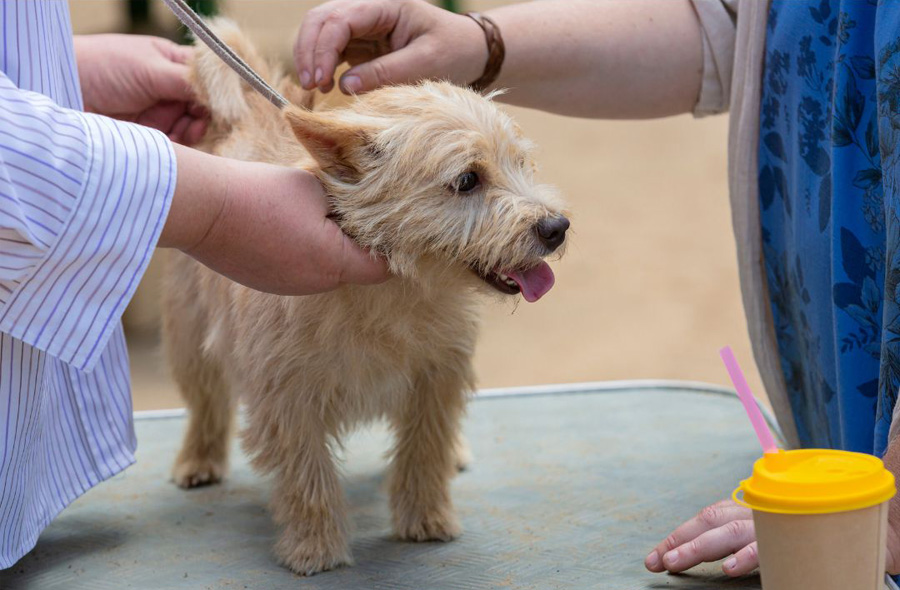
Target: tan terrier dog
436, 179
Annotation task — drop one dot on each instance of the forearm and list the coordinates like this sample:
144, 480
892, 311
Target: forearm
618, 59
263, 226
87, 55
201, 192
216, 195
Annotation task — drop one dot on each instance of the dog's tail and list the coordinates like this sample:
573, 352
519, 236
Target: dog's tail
221, 90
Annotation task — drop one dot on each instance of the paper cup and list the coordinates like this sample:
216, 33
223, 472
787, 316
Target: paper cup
820, 518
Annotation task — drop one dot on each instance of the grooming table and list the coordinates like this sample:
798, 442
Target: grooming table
570, 488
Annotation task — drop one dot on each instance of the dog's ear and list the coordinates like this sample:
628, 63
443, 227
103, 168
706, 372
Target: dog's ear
335, 144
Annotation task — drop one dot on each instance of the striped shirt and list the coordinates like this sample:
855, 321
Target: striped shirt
83, 199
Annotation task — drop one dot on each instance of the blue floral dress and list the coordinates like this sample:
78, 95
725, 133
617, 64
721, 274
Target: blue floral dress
830, 212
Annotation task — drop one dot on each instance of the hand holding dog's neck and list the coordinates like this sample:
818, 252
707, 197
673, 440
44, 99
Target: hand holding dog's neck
263, 226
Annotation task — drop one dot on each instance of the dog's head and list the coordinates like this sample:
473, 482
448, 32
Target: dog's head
436, 177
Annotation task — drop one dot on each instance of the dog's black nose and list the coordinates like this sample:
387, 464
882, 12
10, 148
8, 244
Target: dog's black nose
551, 231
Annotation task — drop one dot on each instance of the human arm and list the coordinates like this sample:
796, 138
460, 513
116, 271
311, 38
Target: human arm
725, 530
263, 226
144, 79
611, 59
84, 200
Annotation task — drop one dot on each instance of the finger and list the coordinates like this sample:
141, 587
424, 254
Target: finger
305, 44
170, 82
369, 21
339, 29
333, 38
709, 518
180, 54
195, 131
743, 562
361, 267
198, 111
199, 124
161, 116
710, 546
178, 130
406, 65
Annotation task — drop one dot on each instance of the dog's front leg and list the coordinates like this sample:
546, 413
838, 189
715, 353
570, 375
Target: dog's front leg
308, 502
425, 458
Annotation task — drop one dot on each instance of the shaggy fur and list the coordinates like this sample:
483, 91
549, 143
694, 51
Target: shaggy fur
312, 368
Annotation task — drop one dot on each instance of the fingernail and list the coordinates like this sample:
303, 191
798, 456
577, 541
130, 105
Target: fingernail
318, 75
652, 559
351, 84
671, 558
730, 563
304, 78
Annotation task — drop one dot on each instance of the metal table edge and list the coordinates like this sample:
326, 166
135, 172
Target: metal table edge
583, 388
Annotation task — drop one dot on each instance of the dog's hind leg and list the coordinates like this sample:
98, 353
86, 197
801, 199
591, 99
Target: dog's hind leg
426, 457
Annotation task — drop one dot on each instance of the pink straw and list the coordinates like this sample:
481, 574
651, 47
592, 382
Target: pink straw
743, 390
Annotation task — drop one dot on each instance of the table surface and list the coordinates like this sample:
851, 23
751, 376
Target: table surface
570, 487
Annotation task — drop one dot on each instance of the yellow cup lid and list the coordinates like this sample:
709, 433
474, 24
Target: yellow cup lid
816, 481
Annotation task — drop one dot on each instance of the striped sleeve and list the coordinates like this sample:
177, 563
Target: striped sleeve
83, 199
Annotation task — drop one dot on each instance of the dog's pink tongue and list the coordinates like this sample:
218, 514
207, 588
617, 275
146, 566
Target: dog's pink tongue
535, 282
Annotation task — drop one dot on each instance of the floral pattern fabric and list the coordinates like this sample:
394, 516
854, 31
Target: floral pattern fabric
830, 214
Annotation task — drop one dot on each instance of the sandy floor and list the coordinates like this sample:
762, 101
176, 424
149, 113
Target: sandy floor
649, 287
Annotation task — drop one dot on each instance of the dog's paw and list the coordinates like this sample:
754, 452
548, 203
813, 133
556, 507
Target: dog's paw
196, 472
309, 556
435, 526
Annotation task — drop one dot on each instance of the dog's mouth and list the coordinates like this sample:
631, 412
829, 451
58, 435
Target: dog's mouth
533, 283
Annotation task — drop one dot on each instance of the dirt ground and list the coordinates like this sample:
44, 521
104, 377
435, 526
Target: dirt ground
649, 286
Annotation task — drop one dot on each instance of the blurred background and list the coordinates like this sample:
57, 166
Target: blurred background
649, 287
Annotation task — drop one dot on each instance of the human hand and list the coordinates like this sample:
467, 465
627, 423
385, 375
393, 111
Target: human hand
717, 531
140, 79
263, 226
387, 41
725, 528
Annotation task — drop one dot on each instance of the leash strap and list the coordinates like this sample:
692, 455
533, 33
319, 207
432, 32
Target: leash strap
193, 21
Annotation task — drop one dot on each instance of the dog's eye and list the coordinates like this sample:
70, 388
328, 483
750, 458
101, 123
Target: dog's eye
466, 182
